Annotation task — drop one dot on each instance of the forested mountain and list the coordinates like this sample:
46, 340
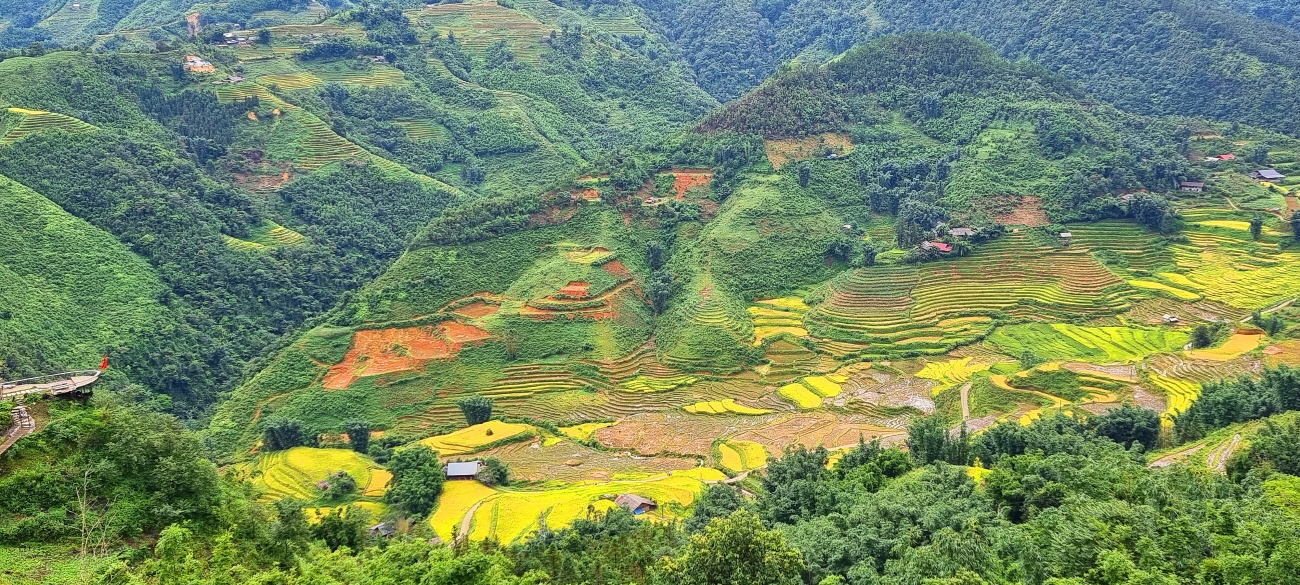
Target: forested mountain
1168, 58
261, 202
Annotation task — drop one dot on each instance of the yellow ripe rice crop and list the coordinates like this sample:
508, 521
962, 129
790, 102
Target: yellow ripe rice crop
722, 407
1179, 395
645, 384
1179, 280
1236, 225
471, 439
742, 455
375, 509
509, 516
456, 500
379, 479
762, 332
950, 373
1177, 292
583, 432
800, 395
794, 303
824, 385
294, 473
1236, 345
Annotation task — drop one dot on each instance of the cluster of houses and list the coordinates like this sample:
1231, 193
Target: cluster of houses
196, 64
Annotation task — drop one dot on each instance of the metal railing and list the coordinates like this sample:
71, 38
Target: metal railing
47, 379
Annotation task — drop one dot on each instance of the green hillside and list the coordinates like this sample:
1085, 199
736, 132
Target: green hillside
71, 292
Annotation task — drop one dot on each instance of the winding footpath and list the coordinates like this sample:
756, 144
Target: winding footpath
23, 425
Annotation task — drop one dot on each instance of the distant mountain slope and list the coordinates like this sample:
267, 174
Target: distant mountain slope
69, 292
621, 292
1167, 58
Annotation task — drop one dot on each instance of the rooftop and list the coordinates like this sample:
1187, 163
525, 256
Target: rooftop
460, 468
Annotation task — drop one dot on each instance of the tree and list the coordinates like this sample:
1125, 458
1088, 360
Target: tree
344, 526
928, 440
477, 408
795, 487
1295, 224
338, 485
1256, 226
359, 435
805, 173
283, 433
654, 255
717, 501
417, 479
661, 290
735, 550
263, 36
1128, 425
1030, 360
1258, 154
1151, 210
869, 253
493, 472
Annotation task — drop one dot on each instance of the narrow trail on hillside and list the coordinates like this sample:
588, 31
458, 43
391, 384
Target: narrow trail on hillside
965, 401
24, 425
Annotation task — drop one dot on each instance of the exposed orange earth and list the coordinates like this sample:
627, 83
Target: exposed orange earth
687, 179
477, 309
576, 289
380, 351
617, 270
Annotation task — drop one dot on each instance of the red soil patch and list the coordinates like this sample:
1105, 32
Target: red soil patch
477, 309
617, 270
687, 179
576, 289
1028, 212
380, 351
461, 333
589, 194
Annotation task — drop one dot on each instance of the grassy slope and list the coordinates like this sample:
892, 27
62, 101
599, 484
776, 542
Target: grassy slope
66, 287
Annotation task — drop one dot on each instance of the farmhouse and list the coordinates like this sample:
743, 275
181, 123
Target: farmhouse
462, 469
940, 246
1227, 157
196, 64
1191, 186
635, 504
1266, 175
962, 232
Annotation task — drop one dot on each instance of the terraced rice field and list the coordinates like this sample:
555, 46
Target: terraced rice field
34, 121
474, 438
373, 76
740, 456
1237, 271
809, 392
242, 245
1179, 394
457, 498
420, 130
725, 406
509, 516
1134, 243
1063, 341
951, 373
294, 472
291, 81
648, 384
775, 316
480, 23
583, 431
1236, 345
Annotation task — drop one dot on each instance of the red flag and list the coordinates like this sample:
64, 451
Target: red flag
104, 365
